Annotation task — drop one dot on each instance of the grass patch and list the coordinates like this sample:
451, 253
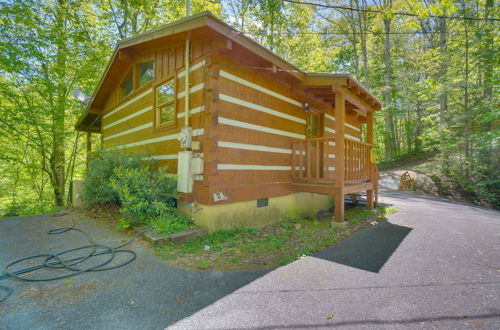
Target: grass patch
269, 246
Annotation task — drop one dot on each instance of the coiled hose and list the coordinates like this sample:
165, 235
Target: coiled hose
56, 261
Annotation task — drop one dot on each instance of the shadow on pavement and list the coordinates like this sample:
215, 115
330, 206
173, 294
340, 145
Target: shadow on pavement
368, 249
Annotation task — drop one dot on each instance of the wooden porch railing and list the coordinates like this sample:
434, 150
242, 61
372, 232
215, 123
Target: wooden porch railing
314, 160
357, 161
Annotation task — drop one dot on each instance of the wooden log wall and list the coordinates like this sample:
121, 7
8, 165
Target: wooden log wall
129, 123
246, 122
253, 123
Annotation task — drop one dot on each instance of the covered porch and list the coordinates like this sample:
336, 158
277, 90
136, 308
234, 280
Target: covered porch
338, 165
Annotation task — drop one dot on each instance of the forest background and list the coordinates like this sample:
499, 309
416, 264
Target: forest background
433, 63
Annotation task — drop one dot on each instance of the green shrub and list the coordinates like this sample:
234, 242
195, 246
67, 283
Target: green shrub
148, 197
145, 192
96, 190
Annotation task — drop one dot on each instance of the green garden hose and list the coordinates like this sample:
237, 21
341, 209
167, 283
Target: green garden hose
53, 261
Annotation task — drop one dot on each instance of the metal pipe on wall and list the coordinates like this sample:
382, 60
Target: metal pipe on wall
186, 66
186, 82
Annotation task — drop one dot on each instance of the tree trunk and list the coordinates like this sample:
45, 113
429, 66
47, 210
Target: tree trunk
362, 29
57, 159
486, 154
489, 53
389, 125
443, 97
418, 126
354, 41
466, 103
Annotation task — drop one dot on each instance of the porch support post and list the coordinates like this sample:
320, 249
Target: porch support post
339, 154
369, 127
369, 139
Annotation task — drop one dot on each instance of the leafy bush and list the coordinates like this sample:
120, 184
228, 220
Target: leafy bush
145, 192
96, 190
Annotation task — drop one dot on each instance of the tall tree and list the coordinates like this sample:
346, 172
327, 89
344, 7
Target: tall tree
389, 135
48, 49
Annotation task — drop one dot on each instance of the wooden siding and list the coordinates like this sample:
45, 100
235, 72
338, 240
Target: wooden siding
246, 124
253, 123
129, 123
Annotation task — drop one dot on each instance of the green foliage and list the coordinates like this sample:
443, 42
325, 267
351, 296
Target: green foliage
148, 196
47, 49
440, 93
26, 206
124, 223
217, 240
97, 188
145, 192
204, 264
481, 186
406, 159
170, 222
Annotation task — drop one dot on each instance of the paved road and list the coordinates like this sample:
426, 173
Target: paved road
434, 264
146, 294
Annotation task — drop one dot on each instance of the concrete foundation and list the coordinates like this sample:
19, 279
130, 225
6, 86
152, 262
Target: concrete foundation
247, 214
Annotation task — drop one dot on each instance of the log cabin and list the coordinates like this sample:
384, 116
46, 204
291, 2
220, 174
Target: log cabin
252, 138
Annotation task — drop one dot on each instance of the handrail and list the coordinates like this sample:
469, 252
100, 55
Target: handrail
313, 159
360, 142
357, 161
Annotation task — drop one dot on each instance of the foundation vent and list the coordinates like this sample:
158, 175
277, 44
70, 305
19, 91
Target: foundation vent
262, 202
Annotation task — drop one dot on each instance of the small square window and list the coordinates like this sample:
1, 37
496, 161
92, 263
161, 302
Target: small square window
165, 102
127, 85
146, 73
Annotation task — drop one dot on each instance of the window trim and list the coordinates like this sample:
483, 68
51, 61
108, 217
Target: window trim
120, 89
172, 123
138, 88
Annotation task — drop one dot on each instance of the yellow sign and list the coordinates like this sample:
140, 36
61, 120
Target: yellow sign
373, 155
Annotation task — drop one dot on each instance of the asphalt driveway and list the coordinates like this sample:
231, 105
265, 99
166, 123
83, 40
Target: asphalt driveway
434, 264
145, 294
